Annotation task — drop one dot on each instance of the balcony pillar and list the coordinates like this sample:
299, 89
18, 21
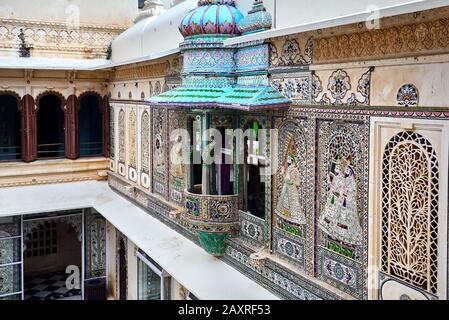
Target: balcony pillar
29, 133
205, 188
71, 128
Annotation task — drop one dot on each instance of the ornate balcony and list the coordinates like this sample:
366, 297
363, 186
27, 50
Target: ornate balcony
213, 217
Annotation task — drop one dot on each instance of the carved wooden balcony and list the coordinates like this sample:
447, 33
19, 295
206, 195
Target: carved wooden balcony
213, 217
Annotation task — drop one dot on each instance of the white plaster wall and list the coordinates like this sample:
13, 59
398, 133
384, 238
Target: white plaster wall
381, 132
158, 34
431, 80
151, 35
132, 271
111, 256
107, 12
294, 12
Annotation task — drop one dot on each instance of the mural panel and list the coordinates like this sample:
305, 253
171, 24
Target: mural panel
293, 199
132, 145
160, 153
342, 220
121, 142
177, 120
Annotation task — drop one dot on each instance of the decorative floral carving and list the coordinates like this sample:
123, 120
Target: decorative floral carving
339, 84
340, 272
410, 211
95, 230
317, 87
409, 39
92, 41
145, 152
157, 88
141, 72
132, 132
407, 96
291, 54
121, 136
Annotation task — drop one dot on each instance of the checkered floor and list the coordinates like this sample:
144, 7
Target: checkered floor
49, 287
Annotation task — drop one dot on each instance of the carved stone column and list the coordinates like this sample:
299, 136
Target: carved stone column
29, 132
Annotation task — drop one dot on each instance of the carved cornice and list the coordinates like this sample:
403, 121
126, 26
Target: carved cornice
141, 72
58, 36
62, 25
34, 182
397, 41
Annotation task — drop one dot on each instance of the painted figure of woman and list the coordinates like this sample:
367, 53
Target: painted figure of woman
339, 219
177, 159
159, 155
290, 206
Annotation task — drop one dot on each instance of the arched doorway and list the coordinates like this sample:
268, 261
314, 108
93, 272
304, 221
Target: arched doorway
50, 127
90, 126
53, 257
10, 128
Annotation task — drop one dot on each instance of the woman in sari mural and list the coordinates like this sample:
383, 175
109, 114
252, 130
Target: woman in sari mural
339, 219
159, 155
290, 205
177, 159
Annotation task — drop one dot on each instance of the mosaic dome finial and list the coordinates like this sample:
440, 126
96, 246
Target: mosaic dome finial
258, 19
212, 17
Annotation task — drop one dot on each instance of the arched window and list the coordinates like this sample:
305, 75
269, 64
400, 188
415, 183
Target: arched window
410, 184
90, 126
10, 134
50, 127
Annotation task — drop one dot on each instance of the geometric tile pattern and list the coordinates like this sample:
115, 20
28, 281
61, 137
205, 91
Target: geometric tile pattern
50, 286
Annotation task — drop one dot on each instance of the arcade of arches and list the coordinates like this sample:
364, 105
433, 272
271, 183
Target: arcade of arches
51, 126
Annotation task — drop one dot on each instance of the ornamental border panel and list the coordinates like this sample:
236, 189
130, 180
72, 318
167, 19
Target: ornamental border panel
344, 274
275, 277
291, 248
252, 228
384, 278
95, 242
